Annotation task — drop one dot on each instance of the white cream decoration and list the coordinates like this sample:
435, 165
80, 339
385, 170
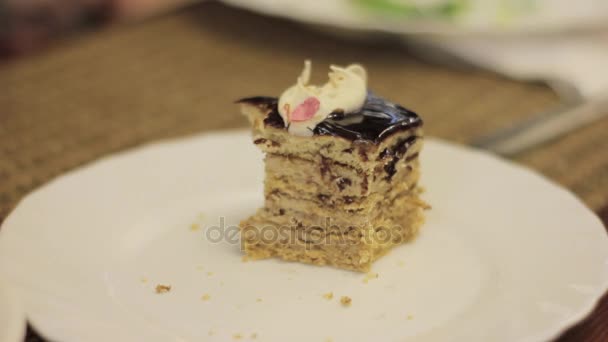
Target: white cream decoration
303, 106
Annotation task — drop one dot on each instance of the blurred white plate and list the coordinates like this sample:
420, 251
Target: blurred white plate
505, 255
12, 318
446, 17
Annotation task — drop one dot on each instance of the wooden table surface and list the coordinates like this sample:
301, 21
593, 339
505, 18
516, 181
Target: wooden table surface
179, 74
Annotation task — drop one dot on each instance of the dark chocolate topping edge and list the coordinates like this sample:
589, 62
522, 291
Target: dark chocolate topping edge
375, 121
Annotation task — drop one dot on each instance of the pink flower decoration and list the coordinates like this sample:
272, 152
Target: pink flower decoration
305, 110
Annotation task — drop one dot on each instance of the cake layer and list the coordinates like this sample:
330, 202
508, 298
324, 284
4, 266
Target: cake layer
322, 177
296, 212
329, 180
356, 257
286, 210
267, 234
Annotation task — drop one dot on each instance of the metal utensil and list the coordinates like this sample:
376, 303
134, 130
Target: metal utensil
544, 127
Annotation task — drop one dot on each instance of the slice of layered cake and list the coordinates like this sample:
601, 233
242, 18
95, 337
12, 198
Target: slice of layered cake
342, 173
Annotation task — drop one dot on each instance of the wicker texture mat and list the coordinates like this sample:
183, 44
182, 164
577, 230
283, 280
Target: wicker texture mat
179, 75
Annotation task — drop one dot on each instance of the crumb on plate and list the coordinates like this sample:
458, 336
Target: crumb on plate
258, 300
205, 297
346, 301
163, 288
194, 227
237, 336
328, 295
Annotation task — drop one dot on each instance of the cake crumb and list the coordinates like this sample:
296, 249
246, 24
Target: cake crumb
329, 339
194, 227
205, 297
328, 295
369, 276
258, 300
254, 336
237, 336
346, 301
163, 288
209, 274
409, 317
143, 279
244, 258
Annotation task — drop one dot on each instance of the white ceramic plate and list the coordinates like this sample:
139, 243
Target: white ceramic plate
505, 255
12, 317
427, 16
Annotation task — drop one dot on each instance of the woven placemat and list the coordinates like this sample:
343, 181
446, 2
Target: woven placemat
179, 74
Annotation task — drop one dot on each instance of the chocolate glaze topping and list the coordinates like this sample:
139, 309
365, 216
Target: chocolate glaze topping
376, 120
